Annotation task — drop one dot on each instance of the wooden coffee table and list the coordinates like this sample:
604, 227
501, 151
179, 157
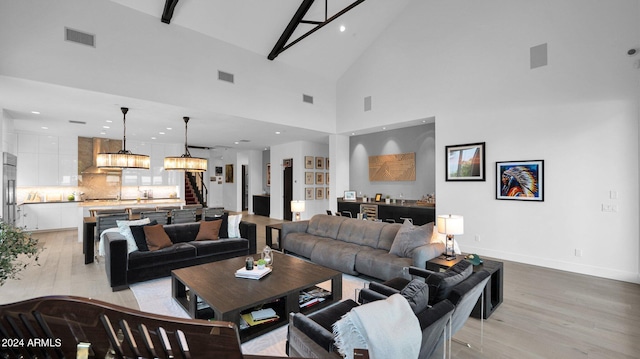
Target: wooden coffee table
225, 297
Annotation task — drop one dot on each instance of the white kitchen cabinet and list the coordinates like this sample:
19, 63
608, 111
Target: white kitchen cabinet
67, 170
27, 170
48, 169
28, 143
48, 216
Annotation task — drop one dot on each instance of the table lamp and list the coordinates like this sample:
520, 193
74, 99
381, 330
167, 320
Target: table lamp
297, 207
450, 225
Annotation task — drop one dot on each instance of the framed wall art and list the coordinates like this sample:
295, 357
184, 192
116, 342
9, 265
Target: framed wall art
319, 177
520, 180
319, 163
349, 196
308, 162
465, 162
228, 173
268, 174
319, 192
308, 178
326, 193
308, 193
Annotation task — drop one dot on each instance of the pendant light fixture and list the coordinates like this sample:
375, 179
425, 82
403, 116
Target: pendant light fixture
122, 158
185, 162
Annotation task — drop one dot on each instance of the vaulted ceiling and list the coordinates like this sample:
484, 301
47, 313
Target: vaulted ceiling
253, 25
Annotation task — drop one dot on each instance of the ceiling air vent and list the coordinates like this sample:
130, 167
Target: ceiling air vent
367, 103
307, 98
225, 76
77, 122
79, 37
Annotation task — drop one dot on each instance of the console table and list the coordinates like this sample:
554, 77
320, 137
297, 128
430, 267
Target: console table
492, 292
391, 212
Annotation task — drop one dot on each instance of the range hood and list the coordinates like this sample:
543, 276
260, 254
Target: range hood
101, 145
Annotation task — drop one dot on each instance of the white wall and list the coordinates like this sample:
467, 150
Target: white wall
467, 64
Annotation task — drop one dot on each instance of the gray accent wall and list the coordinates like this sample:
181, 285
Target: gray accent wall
418, 139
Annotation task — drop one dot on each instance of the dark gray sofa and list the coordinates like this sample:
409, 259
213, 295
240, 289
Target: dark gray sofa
353, 246
125, 268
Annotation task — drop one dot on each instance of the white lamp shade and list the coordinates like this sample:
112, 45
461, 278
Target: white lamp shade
450, 224
297, 206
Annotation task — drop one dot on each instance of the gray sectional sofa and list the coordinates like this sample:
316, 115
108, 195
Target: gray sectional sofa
353, 246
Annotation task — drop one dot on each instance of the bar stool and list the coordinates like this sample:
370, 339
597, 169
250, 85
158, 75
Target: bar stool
162, 217
183, 216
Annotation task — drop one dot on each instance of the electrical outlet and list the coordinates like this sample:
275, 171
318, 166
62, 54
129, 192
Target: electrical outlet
477, 238
578, 252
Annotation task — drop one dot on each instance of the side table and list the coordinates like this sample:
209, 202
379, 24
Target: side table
268, 236
492, 292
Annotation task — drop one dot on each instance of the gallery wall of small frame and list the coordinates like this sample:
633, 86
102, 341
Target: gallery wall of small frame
316, 176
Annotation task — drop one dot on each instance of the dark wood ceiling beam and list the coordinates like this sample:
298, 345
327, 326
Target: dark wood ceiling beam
167, 14
291, 27
281, 45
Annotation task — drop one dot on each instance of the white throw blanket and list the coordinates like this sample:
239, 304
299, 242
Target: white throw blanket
387, 328
101, 244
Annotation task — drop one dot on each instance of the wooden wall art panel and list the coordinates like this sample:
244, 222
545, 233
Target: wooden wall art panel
400, 167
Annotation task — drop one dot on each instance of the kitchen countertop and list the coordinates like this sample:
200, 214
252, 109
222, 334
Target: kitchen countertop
130, 202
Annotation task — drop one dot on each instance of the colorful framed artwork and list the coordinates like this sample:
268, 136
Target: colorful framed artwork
308, 193
349, 196
308, 178
319, 163
319, 177
308, 162
520, 180
465, 162
319, 192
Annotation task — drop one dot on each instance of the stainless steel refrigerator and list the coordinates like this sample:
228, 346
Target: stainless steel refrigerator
9, 163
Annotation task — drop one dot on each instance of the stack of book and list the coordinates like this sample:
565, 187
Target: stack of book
312, 297
257, 317
254, 273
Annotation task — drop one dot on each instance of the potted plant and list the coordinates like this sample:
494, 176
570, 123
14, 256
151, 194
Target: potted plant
15, 246
387, 199
261, 263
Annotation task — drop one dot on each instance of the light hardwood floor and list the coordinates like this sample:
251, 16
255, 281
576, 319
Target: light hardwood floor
546, 313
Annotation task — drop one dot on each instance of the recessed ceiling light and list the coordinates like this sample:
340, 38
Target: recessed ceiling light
342, 28
44, 128
103, 133
35, 112
162, 133
384, 128
153, 138
106, 127
109, 121
236, 142
169, 128
353, 133
277, 132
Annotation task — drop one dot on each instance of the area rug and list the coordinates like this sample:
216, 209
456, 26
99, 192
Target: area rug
154, 296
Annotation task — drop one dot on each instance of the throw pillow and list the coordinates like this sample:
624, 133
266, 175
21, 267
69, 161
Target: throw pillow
157, 238
441, 283
410, 237
123, 228
224, 226
234, 225
417, 294
139, 237
209, 230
